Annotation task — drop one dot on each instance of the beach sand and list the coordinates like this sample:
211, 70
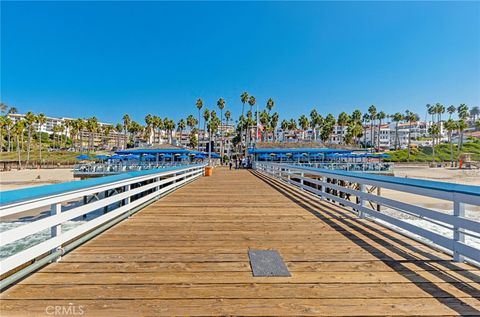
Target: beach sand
17, 179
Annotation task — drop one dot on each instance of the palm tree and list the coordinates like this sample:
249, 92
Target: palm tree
461, 126
30, 120
19, 130
251, 101
474, 112
41, 120
157, 127
411, 118
9, 127
243, 98
126, 124
314, 123
304, 124
342, 121
2, 127
270, 105
365, 120
450, 126
433, 130
107, 129
181, 125
380, 116
228, 116
463, 111
221, 105
149, 126
199, 105
92, 128
451, 110
80, 126
3, 107
12, 110
273, 124
397, 117
118, 130
284, 125
206, 117
372, 110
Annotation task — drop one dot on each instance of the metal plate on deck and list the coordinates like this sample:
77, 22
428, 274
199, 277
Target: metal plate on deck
267, 263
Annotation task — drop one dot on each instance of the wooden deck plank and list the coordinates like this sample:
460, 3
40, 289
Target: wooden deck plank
187, 255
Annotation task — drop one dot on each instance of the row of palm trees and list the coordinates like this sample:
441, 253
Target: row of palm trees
263, 124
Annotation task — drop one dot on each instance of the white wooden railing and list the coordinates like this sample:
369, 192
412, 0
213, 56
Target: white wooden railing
340, 186
117, 198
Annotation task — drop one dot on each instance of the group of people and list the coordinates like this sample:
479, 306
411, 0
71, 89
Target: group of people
240, 162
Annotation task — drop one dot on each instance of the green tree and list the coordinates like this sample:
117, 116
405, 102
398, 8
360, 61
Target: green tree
251, 101
380, 116
342, 121
284, 125
397, 117
433, 130
304, 124
314, 123
450, 126
451, 110
30, 120
270, 105
221, 106
199, 105
41, 120
411, 117
126, 124
461, 126
372, 110
273, 125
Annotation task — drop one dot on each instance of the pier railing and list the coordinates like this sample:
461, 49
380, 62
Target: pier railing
360, 193
94, 204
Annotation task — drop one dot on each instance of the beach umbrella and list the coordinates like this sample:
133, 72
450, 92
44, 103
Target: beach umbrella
133, 157
264, 157
183, 157
199, 156
83, 157
115, 157
101, 157
167, 156
149, 157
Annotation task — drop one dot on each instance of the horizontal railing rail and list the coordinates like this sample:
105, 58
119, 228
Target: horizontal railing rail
341, 186
117, 195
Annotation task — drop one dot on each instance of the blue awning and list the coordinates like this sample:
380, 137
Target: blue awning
83, 157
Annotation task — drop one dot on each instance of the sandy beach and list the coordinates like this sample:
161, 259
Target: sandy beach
17, 179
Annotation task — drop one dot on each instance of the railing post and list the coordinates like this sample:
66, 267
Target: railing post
301, 180
458, 235
361, 201
56, 209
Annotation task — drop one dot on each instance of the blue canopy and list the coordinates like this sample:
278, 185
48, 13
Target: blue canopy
282, 156
149, 156
101, 157
383, 155
183, 156
296, 156
116, 157
215, 155
83, 157
265, 156
199, 156
133, 157
167, 156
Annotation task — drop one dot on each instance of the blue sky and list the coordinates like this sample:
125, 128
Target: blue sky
81, 59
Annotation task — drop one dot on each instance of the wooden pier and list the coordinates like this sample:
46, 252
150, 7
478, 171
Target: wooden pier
186, 254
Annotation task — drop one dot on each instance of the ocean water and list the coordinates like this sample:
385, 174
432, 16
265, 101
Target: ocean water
31, 240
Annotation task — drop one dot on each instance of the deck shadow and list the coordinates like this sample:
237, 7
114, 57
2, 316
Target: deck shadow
446, 298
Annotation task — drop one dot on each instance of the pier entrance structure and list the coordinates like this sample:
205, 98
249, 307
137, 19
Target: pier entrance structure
187, 252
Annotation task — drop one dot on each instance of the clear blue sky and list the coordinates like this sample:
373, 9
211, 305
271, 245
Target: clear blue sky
107, 59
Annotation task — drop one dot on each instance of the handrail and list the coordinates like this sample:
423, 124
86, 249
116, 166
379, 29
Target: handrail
340, 186
117, 195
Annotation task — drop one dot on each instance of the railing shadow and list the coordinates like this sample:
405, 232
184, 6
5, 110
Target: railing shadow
306, 201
